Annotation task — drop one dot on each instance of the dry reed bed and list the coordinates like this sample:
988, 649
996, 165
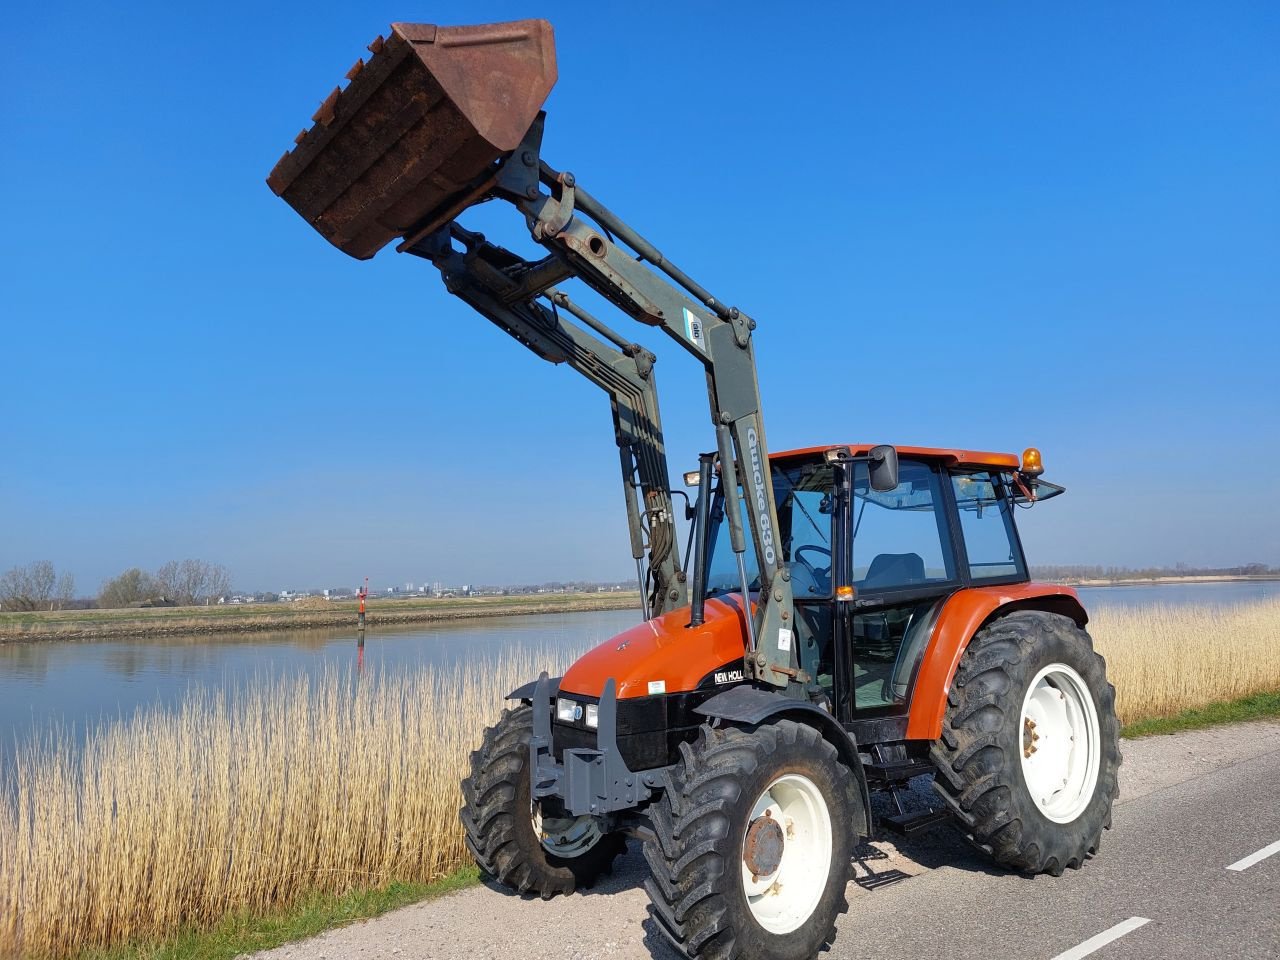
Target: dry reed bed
1166, 659
177, 817
248, 801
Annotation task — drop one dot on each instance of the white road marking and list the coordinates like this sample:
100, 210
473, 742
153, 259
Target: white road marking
1253, 858
1102, 939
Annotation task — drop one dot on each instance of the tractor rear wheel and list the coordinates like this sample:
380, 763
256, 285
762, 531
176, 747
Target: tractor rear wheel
528, 847
752, 843
1029, 753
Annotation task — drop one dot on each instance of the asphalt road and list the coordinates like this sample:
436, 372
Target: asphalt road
1165, 861
1192, 806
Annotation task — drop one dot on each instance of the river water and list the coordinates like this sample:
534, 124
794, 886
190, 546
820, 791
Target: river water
77, 684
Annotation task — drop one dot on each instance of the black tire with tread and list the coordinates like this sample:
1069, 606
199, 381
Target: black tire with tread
978, 757
699, 822
498, 826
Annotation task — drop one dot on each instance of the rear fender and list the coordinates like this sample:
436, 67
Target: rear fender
964, 614
749, 706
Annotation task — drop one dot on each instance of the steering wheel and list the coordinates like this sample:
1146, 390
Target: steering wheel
819, 574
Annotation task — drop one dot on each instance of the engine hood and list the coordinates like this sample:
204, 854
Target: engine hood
665, 651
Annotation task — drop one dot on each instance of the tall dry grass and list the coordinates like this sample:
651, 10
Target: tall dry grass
1166, 659
248, 801
245, 801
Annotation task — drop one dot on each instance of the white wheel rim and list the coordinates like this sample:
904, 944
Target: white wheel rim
1060, 743
566, 837
784, 899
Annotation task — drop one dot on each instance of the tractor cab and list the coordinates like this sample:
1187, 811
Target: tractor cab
872, 568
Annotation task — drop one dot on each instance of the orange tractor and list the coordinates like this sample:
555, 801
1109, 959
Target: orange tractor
846, 617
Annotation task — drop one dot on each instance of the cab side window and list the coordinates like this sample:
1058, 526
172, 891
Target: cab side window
899, 538
987, 526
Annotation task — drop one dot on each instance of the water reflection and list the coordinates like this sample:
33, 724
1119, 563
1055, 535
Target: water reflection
1180, 594
80, 683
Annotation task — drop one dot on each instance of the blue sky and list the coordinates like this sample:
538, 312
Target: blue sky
987, 226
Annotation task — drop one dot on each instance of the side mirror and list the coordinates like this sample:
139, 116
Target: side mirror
882, 464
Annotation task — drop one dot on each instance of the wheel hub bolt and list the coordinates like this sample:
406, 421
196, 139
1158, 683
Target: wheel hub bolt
1029, 738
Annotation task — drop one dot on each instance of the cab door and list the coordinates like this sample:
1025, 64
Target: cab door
902, 566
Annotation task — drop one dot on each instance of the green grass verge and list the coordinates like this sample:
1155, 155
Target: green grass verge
1256, 707
243, 933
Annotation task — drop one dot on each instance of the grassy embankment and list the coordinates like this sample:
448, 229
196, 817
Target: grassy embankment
285, 809
307, 614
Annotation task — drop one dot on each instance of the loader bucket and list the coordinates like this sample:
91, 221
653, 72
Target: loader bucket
413, 138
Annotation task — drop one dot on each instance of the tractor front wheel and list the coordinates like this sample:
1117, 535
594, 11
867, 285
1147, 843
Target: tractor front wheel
1029, 753
752, 843
531, 848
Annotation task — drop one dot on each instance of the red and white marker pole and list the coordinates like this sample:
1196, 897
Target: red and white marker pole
364, 592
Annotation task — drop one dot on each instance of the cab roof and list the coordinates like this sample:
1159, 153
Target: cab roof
950, 456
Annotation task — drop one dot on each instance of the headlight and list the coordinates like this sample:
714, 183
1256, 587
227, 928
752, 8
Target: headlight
567, 711
593, 714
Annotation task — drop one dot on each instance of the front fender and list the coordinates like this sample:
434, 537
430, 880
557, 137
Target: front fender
750, 706
525, 692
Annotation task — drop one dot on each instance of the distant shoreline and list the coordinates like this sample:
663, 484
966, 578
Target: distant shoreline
93, 625
315, 614
1162, 581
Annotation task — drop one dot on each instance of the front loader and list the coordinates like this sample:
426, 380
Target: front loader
849, 616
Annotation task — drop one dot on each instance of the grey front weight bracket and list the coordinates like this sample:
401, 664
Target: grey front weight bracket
590, 781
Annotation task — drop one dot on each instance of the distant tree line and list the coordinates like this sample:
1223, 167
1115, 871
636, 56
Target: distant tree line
1068, 572
37, 586
183, 583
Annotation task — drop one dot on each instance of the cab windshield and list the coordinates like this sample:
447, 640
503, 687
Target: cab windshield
802, 492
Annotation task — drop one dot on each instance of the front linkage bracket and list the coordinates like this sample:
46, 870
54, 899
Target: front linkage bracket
590, 781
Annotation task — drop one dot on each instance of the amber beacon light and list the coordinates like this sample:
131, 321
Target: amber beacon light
1032, 465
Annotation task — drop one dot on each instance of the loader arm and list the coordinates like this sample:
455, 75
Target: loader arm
565, 219
495, 283
443, 118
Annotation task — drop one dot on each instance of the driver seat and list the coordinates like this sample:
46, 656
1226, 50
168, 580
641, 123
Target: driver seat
894, 570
